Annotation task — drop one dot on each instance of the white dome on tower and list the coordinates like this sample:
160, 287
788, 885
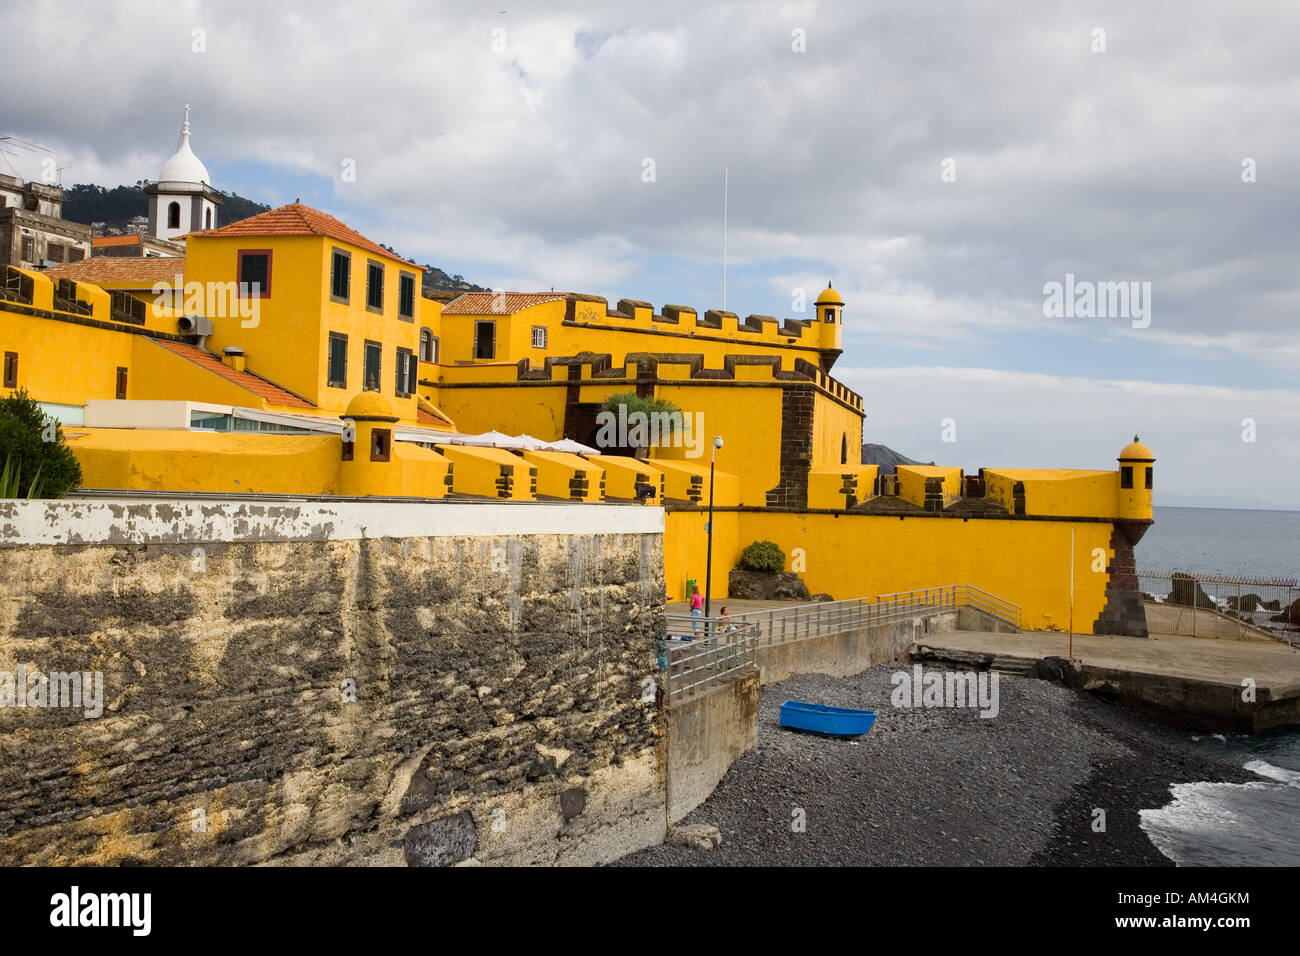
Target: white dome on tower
182, 200
184, 166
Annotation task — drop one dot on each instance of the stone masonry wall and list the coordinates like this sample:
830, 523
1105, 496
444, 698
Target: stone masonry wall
1124, 612
797, 407
423, 700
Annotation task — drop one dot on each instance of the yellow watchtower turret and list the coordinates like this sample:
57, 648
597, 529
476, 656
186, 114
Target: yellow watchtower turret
1136, 478
366, 467
830, 320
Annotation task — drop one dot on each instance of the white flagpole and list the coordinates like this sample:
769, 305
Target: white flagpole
724, 239
1071, 651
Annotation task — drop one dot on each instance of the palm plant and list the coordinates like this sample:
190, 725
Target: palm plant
11, 480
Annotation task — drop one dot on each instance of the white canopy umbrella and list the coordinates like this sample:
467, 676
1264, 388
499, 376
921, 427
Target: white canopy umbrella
572, 447
486, 440
495, 439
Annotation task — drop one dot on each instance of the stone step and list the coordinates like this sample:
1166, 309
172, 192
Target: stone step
1018, 666
951, 657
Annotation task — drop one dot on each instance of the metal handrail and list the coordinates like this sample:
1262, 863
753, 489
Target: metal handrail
802, 621
709, 650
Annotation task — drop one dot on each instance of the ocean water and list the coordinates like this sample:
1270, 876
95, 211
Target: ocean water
1236, 824
1222, 541
1225, 824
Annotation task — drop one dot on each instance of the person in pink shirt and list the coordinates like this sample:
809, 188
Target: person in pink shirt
697, 607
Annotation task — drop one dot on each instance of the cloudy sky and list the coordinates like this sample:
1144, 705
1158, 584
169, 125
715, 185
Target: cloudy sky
941, 162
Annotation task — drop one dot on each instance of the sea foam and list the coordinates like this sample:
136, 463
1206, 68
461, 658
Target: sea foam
1229, 824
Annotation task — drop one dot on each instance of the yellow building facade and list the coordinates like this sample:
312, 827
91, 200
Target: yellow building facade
287, 353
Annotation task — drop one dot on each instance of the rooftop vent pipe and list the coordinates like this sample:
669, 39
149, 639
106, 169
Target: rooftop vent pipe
197, 327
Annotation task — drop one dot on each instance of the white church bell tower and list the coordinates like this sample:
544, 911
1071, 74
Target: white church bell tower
182, 200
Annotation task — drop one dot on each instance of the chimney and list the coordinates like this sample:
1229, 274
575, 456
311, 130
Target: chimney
233, 356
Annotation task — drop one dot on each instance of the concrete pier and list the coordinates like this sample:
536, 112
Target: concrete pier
1241, 686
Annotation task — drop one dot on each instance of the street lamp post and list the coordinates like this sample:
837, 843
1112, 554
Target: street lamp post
708, 561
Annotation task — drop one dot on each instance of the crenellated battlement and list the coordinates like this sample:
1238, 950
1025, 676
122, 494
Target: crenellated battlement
633, 314
653, 367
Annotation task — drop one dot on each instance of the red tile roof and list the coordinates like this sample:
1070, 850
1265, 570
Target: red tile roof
497, 303
428, 418
246, 380
141, 272
100, 242
296, 219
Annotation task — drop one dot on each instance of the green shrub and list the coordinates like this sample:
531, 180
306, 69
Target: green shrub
35, 460
634, 404
763, 556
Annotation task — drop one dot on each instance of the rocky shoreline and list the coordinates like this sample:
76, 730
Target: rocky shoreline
944, 786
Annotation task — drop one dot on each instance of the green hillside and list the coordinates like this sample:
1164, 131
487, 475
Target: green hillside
886, 458
87, 203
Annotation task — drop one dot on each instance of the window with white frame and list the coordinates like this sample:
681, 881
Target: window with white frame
539, 336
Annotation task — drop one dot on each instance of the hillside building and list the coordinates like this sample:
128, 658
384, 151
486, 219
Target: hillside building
33, 232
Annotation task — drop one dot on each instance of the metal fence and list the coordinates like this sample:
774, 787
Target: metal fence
804, 621
700, 651
1230, 607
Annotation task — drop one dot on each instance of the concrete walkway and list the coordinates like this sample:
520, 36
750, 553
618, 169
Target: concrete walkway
1275, 665
1198, 678
1271, 663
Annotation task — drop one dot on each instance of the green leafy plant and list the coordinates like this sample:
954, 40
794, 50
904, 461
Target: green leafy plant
37, 460
763, 556
670, 414
11, 481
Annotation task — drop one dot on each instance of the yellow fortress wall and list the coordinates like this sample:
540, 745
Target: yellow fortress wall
164, 460
44, 346
543, 364
859, 555
573, 322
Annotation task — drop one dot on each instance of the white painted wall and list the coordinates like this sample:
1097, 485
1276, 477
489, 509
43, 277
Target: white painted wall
130, 520
193, 209
144, 413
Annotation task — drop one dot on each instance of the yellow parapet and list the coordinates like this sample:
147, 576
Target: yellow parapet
1064, 492
490, 473
147, 459
624, 477
561, 475
152, 459
840, 487
418, 472
689, 481
42, 289
96, 298
933, 487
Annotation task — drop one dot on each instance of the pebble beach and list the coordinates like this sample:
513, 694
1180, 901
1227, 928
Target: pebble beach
945, 786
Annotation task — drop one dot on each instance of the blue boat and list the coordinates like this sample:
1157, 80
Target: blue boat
820, 719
